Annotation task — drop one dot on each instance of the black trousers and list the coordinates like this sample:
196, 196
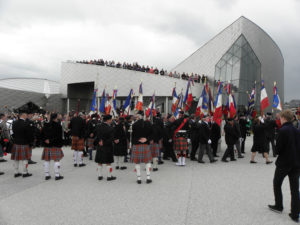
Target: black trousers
272, 141
195, 145
293, 174
243, 144
203, 148
214, 146
229, 152
169, 152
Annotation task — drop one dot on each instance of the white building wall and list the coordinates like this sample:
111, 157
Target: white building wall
122, 78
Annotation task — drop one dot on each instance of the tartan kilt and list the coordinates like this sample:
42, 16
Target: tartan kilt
52, 153
141, 153
77, 143
20, 152
154, 150
180, 144
90, 143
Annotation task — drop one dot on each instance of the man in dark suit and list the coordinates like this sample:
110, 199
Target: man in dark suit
195, 132
205, 140
270, 133
287, 164
231, 137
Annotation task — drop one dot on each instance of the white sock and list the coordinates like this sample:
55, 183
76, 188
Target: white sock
117, 159
16, 166
138, 171
183, 161
75, 157
57, 168
179, 161
46, 168
99, 169
25, 166
79, 155
155, 162
148, 169
109, 171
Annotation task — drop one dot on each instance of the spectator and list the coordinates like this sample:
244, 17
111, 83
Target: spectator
151, 70
156, 70
162, 72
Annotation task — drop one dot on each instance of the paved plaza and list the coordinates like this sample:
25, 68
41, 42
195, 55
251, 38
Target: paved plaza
231, 193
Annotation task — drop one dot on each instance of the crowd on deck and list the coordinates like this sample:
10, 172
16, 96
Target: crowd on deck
146, 69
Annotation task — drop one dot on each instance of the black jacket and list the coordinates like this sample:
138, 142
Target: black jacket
205, 132
243, 127
141, 129
259, 135
91, 128
77, 127
105, 133
231, 134
21, 132
120, 133
270, 128
288, 147
157, 132
194, 130
215, 132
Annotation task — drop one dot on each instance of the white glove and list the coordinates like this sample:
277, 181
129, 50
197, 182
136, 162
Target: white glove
170, 140
262, 120
189, 140
209, 141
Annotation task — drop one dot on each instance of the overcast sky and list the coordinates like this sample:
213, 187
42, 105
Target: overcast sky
37, 35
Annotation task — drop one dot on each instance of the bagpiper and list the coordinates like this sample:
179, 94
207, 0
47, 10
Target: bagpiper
104, 140
141, 152
53, 142
181, 128
91, 133
77, 127
21, 140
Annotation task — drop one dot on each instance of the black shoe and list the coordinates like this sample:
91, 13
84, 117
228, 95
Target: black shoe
47, 177
216, 156
214, 160
160, 162
166, 158
59, 177
240, 157
18, 174
100, 178
111, 178
81, 165
275, 208
123, 168
155, 169
148, 181
75, 165
3, 160
27, 175
201, 161
232, 159
90, 159
117, 167
1, 173
242, 152
193, 159
269, 162
253, 161
31, 162
139, 181
224, 160
294, 218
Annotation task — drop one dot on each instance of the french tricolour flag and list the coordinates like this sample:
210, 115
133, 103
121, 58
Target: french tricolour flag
175, 100
151, 108
218, 105
202, 106
188, 98
264, 101
114, 101
126, 106
231, 106
276, 99
139, 104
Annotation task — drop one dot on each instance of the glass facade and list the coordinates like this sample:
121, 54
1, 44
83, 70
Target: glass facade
241, 67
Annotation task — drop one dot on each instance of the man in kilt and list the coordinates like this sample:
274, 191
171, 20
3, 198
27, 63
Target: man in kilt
157, 140
21, 140
90, 134
181, 128
120, 143
77, 127
53, 142
104, 155
141, 152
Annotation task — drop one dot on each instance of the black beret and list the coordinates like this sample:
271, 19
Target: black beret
106, 117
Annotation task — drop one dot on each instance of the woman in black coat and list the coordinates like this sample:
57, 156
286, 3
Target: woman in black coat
120, 143
259, 140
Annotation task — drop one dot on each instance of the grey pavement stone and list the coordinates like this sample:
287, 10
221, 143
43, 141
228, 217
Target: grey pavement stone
221, 193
